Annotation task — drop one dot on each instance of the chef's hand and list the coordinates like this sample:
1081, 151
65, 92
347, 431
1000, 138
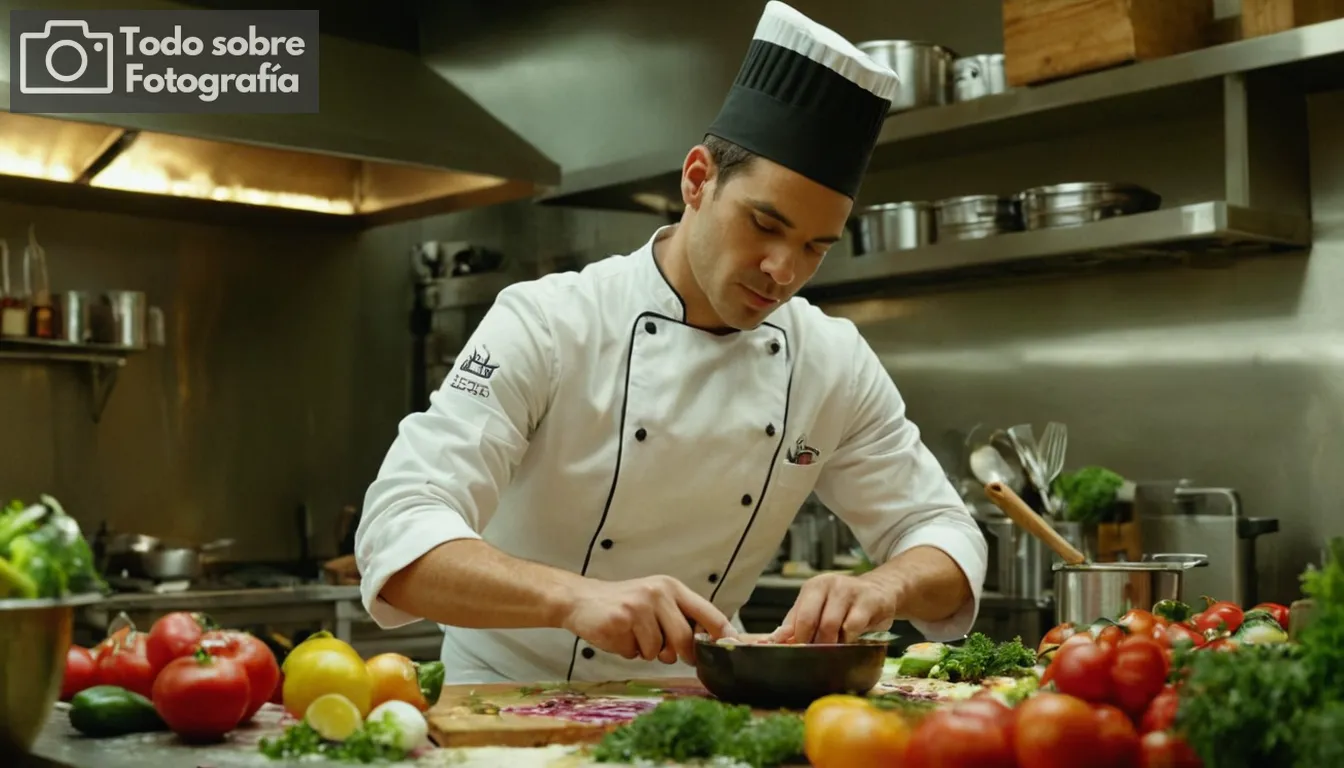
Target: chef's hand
837, 608
649, 618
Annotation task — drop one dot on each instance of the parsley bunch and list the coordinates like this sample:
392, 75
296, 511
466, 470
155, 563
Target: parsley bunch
691, 729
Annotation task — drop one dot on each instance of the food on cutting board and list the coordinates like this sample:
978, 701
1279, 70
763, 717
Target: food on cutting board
975, 660
698, 729
43, 553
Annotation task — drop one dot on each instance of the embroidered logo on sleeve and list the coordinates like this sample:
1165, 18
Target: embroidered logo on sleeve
802, 454
476, 365
479, 365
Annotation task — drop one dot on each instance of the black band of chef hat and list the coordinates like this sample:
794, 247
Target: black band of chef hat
808, 99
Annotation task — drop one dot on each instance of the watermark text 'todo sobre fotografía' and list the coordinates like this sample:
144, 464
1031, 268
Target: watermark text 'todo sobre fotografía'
164, 61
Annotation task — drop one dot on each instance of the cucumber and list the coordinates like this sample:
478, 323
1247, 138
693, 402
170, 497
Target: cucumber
110, 710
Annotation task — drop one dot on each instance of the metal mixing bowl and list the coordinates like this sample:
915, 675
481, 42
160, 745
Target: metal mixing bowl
787, 676
34, 638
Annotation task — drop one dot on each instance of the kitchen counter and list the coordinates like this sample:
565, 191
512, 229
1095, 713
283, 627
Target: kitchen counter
206, 599
60, 746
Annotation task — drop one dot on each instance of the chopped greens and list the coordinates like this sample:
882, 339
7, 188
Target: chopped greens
980, 657
374, 742
685, 730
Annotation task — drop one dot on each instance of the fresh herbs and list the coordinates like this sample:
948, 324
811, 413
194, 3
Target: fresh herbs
691, 729
1088, 493
980, 657
1278, 704
374, 742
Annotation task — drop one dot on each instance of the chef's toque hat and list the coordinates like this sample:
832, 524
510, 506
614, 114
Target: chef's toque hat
808, 99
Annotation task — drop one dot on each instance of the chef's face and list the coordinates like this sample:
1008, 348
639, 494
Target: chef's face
757, 238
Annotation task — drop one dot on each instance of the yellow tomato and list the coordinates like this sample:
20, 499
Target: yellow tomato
320, 641
319, 671
395, 679
842, 731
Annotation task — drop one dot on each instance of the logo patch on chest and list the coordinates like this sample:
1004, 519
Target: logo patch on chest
802, 454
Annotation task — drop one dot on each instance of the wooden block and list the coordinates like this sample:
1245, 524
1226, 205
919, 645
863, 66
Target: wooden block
1265, 17
1050, 39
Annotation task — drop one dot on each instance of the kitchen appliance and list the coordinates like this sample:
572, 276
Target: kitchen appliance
1179, 516
968, 217
34, 636
1065, 205
974, 77
893, 227
137, 556
924, 69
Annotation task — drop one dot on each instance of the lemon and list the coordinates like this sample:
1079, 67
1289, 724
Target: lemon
333, 716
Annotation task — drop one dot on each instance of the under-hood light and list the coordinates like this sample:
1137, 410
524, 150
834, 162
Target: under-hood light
135, 177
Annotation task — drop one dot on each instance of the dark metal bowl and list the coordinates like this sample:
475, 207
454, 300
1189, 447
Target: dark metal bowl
787, 676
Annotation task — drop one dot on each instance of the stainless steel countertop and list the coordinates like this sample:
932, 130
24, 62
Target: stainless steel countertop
206, 599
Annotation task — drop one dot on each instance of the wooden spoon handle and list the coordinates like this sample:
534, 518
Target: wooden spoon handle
1014, 507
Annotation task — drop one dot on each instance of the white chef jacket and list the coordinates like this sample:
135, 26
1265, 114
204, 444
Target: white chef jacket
586, 426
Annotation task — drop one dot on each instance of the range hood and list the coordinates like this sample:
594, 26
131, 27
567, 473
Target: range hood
393, 140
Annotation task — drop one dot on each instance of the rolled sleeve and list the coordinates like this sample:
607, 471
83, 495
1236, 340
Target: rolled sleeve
443, 475
885, 484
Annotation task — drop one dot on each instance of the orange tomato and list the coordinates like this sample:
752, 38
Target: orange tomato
395, 679
845, 731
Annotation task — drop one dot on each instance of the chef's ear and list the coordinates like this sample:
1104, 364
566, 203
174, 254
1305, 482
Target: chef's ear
698, 174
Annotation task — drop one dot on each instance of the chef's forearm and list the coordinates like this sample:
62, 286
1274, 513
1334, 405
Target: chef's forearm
927, 583
469, 583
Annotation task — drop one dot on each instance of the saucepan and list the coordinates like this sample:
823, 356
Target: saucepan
788, 675
152, 558
1085, 592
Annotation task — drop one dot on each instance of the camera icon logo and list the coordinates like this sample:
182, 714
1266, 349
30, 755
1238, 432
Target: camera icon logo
38, 71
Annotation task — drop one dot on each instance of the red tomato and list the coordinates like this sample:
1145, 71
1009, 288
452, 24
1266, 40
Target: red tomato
1160, 749
262, 670
1111, 636
173, 636
1140, 622
124, 663
80, 672
202, 697
1056, 636
1138, 674
973, 738
1161, 713
1180, 635
1223, 644
1083, 669
1054, 731
103, 648
1117, 741
987, 707
1221, 616
1279, 612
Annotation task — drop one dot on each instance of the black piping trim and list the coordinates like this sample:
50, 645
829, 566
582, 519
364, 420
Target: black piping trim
760, 498
659, 267
620, 447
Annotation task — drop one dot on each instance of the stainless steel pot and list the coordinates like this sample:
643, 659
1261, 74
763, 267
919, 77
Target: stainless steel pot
925, 71
1064, 205
974, 77
893, 227
973, 216
149, 558
1085, 592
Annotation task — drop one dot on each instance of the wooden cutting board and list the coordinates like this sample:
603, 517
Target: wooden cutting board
471, 716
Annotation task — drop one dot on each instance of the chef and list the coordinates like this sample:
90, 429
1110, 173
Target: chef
618, 453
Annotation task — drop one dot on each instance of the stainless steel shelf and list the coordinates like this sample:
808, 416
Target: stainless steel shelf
1209, 229
1313, 56
103, 361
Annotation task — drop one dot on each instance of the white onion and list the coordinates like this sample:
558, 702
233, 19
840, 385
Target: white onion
410, 725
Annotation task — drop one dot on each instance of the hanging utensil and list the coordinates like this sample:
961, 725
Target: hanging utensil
1054, 442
